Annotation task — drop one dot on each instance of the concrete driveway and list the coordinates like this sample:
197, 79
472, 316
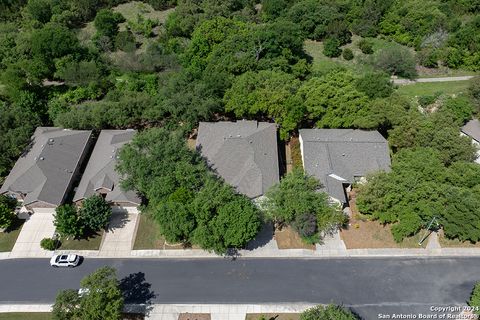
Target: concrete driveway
38, 226
119, 238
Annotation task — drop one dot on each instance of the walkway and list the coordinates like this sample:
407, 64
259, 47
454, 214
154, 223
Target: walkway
38, 226
440, 79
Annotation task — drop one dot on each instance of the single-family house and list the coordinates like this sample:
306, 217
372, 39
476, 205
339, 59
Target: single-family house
472, 130
243, 153
44, 174
340, 157
100, 176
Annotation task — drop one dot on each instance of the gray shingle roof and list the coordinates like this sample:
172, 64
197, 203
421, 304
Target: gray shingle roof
472, 129
243, 153
337, 156
45, 170
100, 171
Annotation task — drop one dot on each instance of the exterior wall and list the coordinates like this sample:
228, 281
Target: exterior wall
41, 207
80, 162
301, 150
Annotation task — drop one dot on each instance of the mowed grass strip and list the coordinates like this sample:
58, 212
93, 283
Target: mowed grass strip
9, 237
26, 316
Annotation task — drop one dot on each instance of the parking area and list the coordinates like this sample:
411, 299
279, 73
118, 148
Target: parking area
38, 226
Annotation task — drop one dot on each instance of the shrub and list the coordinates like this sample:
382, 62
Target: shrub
125, 41
365, 46
428, 58
475, 298
331, 48
347, 54
7, 214
396, 60
327, 312
49, 244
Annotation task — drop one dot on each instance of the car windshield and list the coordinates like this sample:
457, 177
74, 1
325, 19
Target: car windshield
57, 259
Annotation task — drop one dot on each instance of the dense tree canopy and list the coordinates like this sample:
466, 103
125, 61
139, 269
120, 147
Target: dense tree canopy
327, 313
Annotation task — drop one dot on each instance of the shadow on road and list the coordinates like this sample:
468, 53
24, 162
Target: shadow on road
136, 291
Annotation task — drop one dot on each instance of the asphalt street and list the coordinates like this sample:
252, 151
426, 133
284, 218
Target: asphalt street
368, 286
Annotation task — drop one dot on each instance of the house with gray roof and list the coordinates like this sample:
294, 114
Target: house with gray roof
100, 176
472, 130
340, 157
243, 153
43, 175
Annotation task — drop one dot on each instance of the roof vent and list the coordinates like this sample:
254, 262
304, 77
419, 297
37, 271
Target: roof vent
239, 136
51, 140
343, 154
42, 158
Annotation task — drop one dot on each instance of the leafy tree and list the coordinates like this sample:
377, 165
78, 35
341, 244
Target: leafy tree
365, 46
296, 200
40, 10
474, 90
347, 54
7, 216
396, 60
333, 101
66, 306
327, 313
53, 41
266, 93
475, 298
68, 222
374, 85
460, 107
331, 48
106, 22
95, 213
77, 73
103, 298
175, 220
366, 16
272, 9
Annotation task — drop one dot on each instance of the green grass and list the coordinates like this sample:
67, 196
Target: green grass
130, 10
90, 243
26, 316
8, 238
148, 236
421, 89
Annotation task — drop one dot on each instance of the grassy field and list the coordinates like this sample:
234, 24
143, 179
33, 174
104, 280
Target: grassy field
26, 316
446, 88
8, 238
90, 243
130, 10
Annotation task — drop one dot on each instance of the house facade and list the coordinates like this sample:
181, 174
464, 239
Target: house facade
472, 130
45, 173
339, 158
100, 176
243, 153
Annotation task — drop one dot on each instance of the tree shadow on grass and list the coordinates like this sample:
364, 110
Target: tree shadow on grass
136, 291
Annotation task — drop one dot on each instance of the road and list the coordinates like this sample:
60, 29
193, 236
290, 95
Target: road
439, 79
369, 286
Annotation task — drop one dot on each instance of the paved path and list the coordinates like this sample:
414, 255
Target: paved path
118, 240
369, 286
440, 79
37, 227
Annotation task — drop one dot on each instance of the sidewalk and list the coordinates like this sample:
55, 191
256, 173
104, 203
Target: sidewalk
172, 311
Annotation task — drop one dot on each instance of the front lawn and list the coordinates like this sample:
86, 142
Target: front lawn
91, 242
9, 237
431, 88
273, 316
26, 316
149, 237
287, 238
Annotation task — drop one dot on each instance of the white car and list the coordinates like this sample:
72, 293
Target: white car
65, 260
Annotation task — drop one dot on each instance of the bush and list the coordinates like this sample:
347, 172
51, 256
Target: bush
365, 46
125, 41
347, 54
327, 313
7, 214
475, 298
428, 58
396, 60
106, 22
49, 244
331, 48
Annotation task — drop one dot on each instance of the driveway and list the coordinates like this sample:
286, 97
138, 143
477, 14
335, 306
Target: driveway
38, 226
119, 238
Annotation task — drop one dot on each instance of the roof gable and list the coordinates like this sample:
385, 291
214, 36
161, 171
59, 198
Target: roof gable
243, 153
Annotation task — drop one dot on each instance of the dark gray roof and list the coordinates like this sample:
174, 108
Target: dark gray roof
100, 171
472, 129
45, 170
336, 156
243, 153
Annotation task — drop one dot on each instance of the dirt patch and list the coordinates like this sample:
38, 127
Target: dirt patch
191, 143
287, 238
363, 233
194, 316
273, 316
295, 153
